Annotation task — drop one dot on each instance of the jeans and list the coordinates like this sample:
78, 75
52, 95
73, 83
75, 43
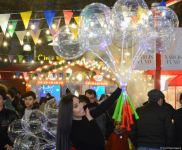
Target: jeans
147, 148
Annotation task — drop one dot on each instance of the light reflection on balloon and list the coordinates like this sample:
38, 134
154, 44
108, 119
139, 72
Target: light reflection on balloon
165, 21
94, 30
66, 44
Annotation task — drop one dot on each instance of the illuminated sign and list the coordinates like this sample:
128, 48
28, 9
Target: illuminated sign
49, 82
48, 58
96, 83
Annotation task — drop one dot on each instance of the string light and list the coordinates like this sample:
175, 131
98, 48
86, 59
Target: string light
47, 32
73, 25
10, 26
45, 67
32, 27
5, 44
41, 62
28, 33
5, 60
39, 41
54, 26
7, 35
14, 76
14, 61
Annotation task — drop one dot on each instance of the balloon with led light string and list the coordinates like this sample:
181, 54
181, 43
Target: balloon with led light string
65, 43
165, 22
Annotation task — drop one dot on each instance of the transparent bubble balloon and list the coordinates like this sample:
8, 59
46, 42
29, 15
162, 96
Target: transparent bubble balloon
130, 14
26, 141
35, 121
75, 80
129, 17
165, 21
51, 112
66, 44
15, 129
45, 136
94, 30
48, 147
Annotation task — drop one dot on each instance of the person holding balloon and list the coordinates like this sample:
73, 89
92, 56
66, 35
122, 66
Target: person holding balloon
77, 127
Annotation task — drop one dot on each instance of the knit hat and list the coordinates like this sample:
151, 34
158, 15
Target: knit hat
154, 95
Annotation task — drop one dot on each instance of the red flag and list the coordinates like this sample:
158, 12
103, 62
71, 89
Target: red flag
67, 16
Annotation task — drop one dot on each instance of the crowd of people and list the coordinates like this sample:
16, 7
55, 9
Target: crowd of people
85, 123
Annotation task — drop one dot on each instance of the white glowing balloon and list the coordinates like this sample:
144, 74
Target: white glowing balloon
66, 44
94, 30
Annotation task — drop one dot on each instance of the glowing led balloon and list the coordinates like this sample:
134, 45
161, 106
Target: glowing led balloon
48, 147
35, 121
128, 18
26, 141
51, 112
165, 21
15, 129
94, 30
66, 44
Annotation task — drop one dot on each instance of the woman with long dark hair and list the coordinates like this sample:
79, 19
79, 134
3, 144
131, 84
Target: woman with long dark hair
77, 126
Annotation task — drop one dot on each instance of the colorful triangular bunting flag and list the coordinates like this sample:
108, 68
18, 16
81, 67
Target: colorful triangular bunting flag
77, 20
35, 37
21, 35
67, 16
55, 29
49, 15
4, 18
34, 25
26, 17
12, 27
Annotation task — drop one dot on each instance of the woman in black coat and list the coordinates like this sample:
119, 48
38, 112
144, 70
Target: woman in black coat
77, 127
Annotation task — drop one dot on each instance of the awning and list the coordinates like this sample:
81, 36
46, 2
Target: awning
165, 72
176, 81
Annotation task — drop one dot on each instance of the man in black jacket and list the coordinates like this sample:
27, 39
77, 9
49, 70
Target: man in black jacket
6, 117
154, 128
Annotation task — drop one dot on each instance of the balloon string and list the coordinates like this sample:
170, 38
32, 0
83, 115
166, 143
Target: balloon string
122, 51
116, 111
133, 108
121, 107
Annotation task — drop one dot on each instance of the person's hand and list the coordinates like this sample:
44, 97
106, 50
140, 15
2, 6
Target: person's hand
87, 114
8, 147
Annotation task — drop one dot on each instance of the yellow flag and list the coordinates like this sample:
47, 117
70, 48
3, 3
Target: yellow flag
35, 36
77, 19
75, 32
26, 17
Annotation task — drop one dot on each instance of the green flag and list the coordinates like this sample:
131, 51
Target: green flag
20, 58
12, 27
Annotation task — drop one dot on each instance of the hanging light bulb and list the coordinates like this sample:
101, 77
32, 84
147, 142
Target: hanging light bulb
27, 47
14, 61
10, 27
54, 26
47, 32
28, 34
5, 44
7, 35
39, 41
32, 27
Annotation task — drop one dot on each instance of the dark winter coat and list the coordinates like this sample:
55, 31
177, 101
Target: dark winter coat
178, 127
6, 117
154, 128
